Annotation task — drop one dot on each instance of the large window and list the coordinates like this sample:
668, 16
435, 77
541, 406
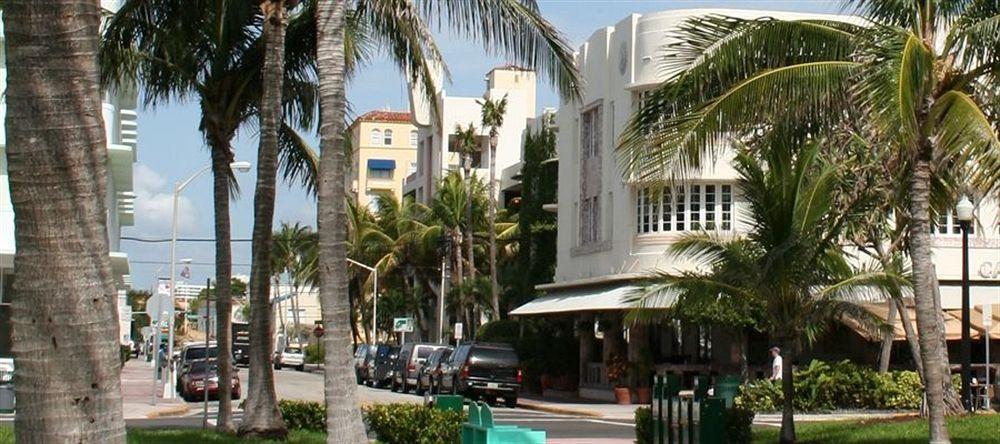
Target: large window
590, 132
376, 137
948, 224
387, 137
590, 220
692, 207
379, 173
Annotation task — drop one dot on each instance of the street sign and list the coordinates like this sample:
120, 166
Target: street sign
153, 306
318, 331
458, 330
402, 325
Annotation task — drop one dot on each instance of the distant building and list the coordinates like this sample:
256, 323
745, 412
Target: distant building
437, 148
121, 131
384, 151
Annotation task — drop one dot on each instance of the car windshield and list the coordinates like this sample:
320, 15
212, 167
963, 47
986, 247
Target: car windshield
293, 350
199, 368
199, 353
492, 354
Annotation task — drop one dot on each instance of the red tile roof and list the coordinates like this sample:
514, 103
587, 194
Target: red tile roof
385, 116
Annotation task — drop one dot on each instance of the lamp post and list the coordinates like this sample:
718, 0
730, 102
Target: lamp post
238, 167
964, 212
374, 295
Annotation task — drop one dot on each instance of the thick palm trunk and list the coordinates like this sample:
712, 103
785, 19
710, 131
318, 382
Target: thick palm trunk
221, 158
911, 335
930, 332
788, 393
343, 417
494, 291
261, 416
886, 353
470, 227
64, 312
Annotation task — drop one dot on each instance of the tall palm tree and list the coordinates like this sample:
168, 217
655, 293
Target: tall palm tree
921, 77
290, 255
492, 117
64, 313
209, 51
789, 263
513, 28
468, 145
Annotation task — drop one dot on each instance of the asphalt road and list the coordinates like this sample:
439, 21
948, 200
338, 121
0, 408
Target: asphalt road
308, 386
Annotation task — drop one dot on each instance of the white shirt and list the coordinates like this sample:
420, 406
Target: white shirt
776, 368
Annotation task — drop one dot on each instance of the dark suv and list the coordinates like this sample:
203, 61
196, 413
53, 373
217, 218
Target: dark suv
429, 371
485, 370
381, 369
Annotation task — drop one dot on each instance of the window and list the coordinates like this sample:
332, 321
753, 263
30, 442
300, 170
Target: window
387, 138
692, 207
590, 218
590, 132
948, 224
413, 137
376, 137
379, 174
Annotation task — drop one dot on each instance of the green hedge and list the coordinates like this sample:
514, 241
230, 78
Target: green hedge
315, 353
303, 415
825, 386
643, 425
406, 423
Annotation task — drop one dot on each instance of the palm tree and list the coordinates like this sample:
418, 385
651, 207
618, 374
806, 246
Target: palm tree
789, 263
64, 312
207, 50
492, 117
468, 145
290, 254
510, 27
921, 80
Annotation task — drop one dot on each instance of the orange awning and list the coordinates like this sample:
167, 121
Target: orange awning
952, 323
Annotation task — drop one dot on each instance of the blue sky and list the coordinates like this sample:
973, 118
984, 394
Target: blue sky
171, 148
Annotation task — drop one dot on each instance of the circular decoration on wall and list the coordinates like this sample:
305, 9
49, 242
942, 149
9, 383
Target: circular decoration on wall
622, 58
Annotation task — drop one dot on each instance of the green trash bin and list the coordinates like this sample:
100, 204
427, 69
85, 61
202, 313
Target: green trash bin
727, 388
449, 402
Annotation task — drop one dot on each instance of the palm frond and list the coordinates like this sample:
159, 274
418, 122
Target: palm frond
967, 134
298, 162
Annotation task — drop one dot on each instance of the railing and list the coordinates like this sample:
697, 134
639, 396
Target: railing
596, 375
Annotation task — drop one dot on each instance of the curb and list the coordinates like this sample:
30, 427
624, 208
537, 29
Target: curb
170, 411
558, 410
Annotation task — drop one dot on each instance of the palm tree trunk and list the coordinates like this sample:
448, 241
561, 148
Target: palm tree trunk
295, 312
470, 227
64, 312
221, 158
911, 336
787, 435
281, 314
261, 416
343, 417
458, 276
886, 354
494, 291
923, 293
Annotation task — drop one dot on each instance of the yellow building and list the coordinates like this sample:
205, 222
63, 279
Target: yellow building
384, 149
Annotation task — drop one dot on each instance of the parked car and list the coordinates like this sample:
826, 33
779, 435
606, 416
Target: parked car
404, 371
360, 362
384, 361
486, 370
193, 383
291, 356
368, 366
192, 353
431, 369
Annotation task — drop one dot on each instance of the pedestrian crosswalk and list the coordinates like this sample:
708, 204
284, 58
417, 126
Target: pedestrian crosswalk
213, 413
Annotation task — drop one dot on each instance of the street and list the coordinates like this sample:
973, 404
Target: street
308, 386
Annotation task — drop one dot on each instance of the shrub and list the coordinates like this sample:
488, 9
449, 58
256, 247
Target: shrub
739, 422
315, 353
303, 415
405, 423
824, 386
643, 425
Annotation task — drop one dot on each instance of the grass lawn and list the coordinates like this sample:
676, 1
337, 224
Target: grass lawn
967, 429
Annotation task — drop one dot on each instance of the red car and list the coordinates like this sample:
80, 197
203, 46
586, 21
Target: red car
193, 382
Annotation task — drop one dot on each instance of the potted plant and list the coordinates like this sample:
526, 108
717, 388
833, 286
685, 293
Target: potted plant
644, 373
617, 367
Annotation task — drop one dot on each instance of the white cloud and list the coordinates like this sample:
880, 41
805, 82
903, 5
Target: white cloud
154, 204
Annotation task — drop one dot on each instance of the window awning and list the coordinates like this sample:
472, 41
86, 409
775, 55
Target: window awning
601, 298
952, 323
381, 164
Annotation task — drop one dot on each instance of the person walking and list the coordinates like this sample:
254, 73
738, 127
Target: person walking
776, 364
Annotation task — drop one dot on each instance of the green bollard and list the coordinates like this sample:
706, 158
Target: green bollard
700, 387
712, 429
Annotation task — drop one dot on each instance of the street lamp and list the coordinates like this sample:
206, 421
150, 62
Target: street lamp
964, 213
237, 167
374, 295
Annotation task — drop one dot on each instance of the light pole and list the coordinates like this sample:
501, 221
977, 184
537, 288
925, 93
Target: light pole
964, 212
374, 295
238, 167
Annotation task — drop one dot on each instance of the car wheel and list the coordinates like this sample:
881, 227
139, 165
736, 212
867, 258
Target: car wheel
301, 367
510, 402
404, 387
277, 366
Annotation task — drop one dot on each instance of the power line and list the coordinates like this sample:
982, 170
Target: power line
186, 239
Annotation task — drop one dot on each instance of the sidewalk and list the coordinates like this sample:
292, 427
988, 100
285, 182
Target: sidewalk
137, 391
578, 407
